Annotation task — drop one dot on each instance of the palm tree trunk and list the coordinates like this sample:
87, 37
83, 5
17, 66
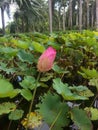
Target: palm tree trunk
64, 17
87, 2
84, 20
77, 15
92, 15
3, 22
80, 15
70, 14
50, 15
97, 15
59, 19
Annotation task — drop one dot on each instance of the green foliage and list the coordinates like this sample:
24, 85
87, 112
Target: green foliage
26, 94
3, 40
4, 68
82, 91
88, 73
55, 45
93, 112
16, 114
46, 77
94, 82
81, 119
21, 44
28, 82
64, 90
71, 78
53, 111
7, 90
8, 51
25, 57
59, 70
7, 107
38, 47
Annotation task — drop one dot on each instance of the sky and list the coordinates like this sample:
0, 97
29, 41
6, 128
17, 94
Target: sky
7, 20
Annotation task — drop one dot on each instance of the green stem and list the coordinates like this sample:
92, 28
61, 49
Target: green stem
94, 100
55, 120
9, 125
32, 101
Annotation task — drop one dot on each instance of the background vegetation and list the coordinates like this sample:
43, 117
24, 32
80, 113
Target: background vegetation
37, 15
66, 97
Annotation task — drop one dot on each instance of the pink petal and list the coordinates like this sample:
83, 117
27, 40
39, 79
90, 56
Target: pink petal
46, 60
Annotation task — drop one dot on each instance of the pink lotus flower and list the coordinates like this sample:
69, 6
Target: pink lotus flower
46, 60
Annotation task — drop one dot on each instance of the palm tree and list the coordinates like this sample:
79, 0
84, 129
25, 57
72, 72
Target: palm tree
4, 6
97, 15
32, 13
80, 15
28, 12
50, 15
70, 14
87, 4
63, 2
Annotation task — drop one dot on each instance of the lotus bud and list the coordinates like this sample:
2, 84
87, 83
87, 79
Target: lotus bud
46, 60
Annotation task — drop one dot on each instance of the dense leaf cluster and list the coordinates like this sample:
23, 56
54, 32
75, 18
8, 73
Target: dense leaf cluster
67, 95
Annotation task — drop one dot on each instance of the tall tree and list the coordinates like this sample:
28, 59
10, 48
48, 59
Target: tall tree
92, 14
87, 4
80, 15
77, 14
70, 14
64, 13
97, 15
57, 7
27, 14
64, 17
50, 15
4, 5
